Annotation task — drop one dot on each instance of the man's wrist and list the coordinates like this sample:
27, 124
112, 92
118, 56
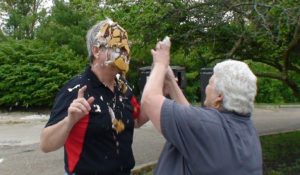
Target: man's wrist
160, 65
69, 121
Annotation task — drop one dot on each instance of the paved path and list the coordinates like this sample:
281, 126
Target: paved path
273, 120
19, 137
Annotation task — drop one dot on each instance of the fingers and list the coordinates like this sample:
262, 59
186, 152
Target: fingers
91, 100
152, 52
81, 92
82, 102
161, 53
74, 110
164, 44
77, 111
157, 47
82, 105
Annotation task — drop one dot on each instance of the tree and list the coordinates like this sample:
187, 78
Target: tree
263, 32
2, 36
271, 38
68, 24
23, 17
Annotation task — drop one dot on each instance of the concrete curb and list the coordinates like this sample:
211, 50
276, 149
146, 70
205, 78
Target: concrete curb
278, 132
144, 168
268, 106
290, 106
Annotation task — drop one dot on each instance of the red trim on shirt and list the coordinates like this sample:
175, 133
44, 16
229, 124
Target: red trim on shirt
74, 143
136, 107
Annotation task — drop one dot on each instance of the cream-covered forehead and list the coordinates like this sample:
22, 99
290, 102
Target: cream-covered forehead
113, 35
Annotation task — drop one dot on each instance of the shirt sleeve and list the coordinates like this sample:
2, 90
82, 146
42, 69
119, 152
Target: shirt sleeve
60, 107
188, 128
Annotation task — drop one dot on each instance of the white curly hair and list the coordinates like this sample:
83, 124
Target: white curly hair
237, 83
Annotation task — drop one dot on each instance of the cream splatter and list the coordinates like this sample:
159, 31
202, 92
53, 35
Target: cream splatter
97, 108
111, 113
75, 87
118, 76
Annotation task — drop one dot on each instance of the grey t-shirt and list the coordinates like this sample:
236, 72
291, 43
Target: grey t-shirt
204, 141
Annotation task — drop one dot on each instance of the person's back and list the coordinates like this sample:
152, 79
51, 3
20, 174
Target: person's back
204, 141
208, 142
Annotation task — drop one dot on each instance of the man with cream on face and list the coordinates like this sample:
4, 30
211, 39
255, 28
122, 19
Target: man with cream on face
95, 113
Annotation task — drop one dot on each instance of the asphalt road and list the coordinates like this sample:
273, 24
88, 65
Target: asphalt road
19, 137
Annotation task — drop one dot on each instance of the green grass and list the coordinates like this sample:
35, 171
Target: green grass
281, 153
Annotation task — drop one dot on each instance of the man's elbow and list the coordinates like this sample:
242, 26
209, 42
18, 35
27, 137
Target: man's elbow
146, 102
44, 148
137, 124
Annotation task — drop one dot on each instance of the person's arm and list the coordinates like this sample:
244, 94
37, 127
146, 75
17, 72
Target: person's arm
172, 88
53, 137
141, 120
152, 98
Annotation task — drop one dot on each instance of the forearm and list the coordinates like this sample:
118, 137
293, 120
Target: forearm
156, 79
141, 120
54, 137
152, 98
177, 94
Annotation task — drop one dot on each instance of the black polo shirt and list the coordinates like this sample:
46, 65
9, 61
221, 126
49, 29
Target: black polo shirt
93, 146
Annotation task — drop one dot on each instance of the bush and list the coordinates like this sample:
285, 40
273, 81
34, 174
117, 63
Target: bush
31, 72
274, 91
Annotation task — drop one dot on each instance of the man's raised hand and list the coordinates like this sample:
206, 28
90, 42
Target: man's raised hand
80, 106
161, 54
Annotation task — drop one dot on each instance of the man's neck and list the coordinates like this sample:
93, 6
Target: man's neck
106, 76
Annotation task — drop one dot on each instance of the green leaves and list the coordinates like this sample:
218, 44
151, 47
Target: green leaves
68, 24
32, 73
263, 33
22, 17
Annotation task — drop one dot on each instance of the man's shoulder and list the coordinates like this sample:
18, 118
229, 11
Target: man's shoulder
206, 114
70, 88
75, 82
192, 113
77, 79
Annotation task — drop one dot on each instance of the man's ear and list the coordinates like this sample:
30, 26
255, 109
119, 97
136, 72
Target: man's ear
95, 52
220, 97
219, 101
